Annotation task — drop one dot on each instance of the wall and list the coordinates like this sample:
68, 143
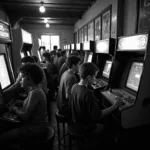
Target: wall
130, 17
65, 33
3, 15
124, 16
95, 9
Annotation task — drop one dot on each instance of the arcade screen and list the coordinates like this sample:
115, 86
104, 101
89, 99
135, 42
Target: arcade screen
4, 75
90, 57
28, 53
107, 68
134, 76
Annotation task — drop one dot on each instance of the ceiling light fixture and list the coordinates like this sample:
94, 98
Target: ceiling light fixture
47, 25
42, 8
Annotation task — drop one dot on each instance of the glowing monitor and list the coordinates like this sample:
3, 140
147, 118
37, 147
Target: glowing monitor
90, 57
4, 75
134, 75
28, 53
72, 46
107, 68
22, 54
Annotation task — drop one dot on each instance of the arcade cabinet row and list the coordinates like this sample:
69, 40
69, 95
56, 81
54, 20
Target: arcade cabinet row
13, 46
123, 72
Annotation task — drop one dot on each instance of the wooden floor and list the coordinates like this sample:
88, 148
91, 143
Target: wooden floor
74, 145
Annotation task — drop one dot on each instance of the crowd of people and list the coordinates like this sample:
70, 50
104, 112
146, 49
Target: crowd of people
64, 78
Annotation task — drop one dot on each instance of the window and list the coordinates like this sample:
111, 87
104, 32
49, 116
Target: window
50, 40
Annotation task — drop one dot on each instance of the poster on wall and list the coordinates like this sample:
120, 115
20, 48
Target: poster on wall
106, 19
144, 16
85, 33
91, 31
82, 35
97, 28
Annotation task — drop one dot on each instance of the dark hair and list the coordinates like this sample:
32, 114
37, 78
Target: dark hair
35, 58
72, 60
63, 52
44, 47
55, 47
27, 59
34, 71
87, 69
74, 53
47, 56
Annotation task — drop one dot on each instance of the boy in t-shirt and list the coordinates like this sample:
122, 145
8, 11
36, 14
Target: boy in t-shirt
85, 110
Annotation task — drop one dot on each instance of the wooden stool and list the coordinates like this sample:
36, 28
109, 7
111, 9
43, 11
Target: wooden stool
61, 119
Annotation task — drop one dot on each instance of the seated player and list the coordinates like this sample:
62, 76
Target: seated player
33, 115
68, 79
84, 105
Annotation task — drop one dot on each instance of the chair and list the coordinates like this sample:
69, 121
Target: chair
44, 144
61, 120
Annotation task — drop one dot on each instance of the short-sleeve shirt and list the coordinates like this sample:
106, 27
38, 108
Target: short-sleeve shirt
68, 79
84, 105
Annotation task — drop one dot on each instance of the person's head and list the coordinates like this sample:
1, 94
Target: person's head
27, 59
35, 58
32, 75
73, 63
55, 47
74, 53
88, 71
46, 56
63, 53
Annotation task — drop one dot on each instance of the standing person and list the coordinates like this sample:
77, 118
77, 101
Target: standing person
68, 79
33, 115
84, 105
53, 52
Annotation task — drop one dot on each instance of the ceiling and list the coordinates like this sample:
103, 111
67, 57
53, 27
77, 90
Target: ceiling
58, 12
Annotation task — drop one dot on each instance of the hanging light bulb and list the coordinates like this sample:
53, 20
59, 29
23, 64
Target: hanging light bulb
42, 8
45, 20
47, 25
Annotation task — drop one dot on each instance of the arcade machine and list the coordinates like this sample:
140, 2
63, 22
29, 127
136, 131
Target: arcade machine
81, 52
6, 71
104, 53
22, 45
72, 47
39, 54
130, 81
88, 48
68, 50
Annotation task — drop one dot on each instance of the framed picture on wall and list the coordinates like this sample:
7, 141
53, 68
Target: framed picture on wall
144, 16
97, 28
91, 31
82, 35
106, 24
85, 33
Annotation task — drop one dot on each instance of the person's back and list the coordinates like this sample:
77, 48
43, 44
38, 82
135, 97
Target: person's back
61, 59
68, 79
83, 104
